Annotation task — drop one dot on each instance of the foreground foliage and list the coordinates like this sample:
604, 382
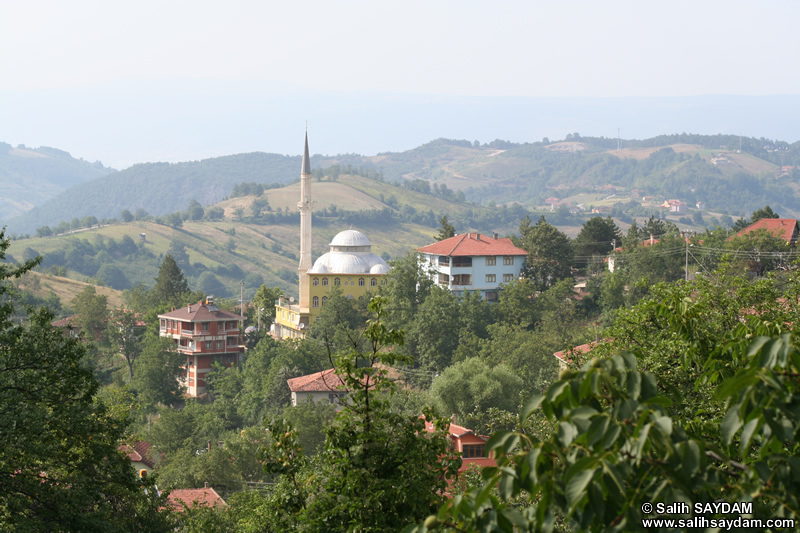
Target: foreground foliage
60, 469
617, 440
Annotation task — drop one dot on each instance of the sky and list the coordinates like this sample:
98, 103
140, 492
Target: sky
174, 80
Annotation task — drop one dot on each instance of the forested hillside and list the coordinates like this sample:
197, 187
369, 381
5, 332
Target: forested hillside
728, 174
31, 176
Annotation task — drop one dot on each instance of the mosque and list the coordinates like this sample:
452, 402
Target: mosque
349, 266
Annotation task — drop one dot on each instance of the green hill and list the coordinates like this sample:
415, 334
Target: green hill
218, 255
29, 177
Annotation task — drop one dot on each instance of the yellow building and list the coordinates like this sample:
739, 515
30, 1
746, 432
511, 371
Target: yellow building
349, 266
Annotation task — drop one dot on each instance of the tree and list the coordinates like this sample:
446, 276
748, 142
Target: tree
60, 469
447, 230
92, 311
170, 284
549, 253
126, 216
473, 385
265, 298
380, 469
764, 212
195, 210
156, 372
125, 335
112, 276
598, 236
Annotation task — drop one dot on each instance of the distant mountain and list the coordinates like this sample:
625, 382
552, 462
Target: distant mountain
729, 174
159, 188
31, 176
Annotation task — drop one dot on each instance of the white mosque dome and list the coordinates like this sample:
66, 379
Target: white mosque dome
381, 268
350, 237
350, 254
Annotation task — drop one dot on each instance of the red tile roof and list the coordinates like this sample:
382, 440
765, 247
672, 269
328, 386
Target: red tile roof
472, 244
140, 452
324, 381
577, 350
785, 228
195, 497
200, 312
68, 322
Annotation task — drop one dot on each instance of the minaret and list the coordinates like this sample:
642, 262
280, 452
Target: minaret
306, 205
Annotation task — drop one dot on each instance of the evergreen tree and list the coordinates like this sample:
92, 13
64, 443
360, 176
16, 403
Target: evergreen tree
170, 284
447, 230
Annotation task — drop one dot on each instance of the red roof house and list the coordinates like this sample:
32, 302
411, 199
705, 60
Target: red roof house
785, 228
473, 262
205, 497
323, 386
205, 334
471, 445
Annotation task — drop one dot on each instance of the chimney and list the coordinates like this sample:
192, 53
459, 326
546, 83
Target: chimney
209, 445
189, 307
478, 236
453, 418
651, 239
495, 235
205, 484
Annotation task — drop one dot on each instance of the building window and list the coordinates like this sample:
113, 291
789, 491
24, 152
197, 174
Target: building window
324, 300
228, 359
462, 261
208, 345
491, 278
333, 397
491, 296
231, 341
315, 301
315, 282
444, 279
205, 326
472, 451
508, 278
361, 282
462, 279
444, 260
337, 281
373, 282
491, 261
324, 282
191, 381
220, 345
163, 324
508, 260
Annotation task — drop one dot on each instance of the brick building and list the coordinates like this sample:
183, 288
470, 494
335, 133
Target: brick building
205, 334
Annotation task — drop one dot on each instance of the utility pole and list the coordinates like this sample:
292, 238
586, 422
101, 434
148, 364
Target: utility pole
241, 306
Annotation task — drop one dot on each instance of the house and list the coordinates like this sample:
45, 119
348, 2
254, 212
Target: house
675, 206
573, 355
700, 206
325, 387
785, 228
140, 455
471, 445
473, 262
204, 334
205, 497
349, 266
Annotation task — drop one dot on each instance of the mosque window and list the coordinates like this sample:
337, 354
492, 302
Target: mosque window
315, 282
360, 282
324, 282
324, 300
373, 282
316, 301
337, 281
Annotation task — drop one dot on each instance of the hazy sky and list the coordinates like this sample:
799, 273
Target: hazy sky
50, 50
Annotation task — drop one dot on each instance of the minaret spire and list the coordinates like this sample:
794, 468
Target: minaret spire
305, 205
